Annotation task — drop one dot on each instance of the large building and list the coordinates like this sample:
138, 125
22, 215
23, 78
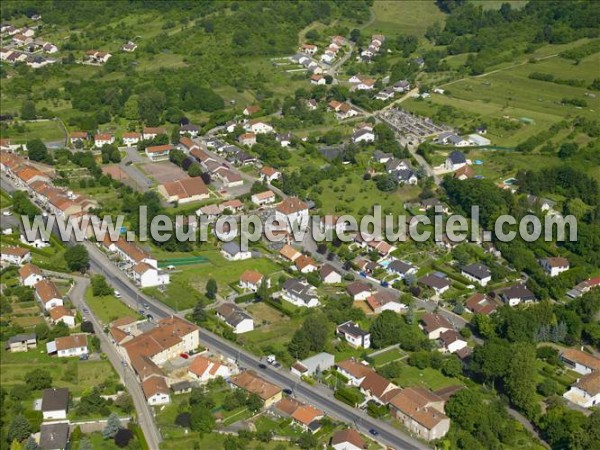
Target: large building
253, 384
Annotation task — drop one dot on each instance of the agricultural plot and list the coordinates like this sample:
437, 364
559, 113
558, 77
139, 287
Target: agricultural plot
393, 18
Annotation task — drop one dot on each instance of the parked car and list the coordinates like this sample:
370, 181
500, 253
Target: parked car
117, 294
184, 355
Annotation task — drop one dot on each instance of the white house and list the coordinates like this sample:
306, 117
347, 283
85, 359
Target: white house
15, 255
69, 346
348, 439
434, 325
579, 361
438, 284
130, 139
317, 79
263, 198
330, 275
478, 273
103, 139
363, 135
317, 363
292, 210
354, 371
305, 264
354, 335
156, 391
478, 141
309, 49
259, 127
158, 152
204, 369
47, 293
251, 280
554, 266
64, 315
451, 342
586, 391
55, 403
147, 276
359, 291
401, 268
269, 174
235, 317
233, 252
517, 294
299, 293
455, 161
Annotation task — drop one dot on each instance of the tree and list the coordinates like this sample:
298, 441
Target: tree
100, 287
77, 258
28, 111
202, 419
112, 426
184, 420
520, 379
19, 429
124, 403
122, 437
16, 445
254, 402
451, 367
199, 314
195, 171
385, 330
211, 289
32, 445
37, 150
316, 328
386, 183
41, 331
299, 346
85, 444
307, 441
38, 379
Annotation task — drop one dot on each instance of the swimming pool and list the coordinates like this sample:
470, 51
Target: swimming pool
510, 181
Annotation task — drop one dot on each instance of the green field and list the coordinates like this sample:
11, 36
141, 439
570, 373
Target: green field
108, 308
428, 377
404, 17
47, 130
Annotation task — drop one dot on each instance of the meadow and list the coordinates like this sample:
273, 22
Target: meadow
394, 18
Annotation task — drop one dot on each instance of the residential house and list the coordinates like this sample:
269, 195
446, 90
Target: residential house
313, 365
55, 403
584, 287
169, 338
292, 210
586, 391
478, 141
15, 255
228, 177
455, 161
47, 293
401, 268
363, 135
394, 165
77, 136
54, 436
385, 94
251, 280
96, 57
317, 79
517, 294
367, 84
268, 174
359, 291
354, 335
422, 412
64, 315
263, 198
348, 439
188, 145
290, 253
158, 152
102, 139
156, 391
330, 275
204, 369
438, 284
311, 104
451, 342
478, 273
375, 387
299, 293
307, 417
235, 317
481, 304
190, 129
151, 132
401, 86
580, 361
250, 110
253, 384
384, 301
464, 173
131, 138
259, 127
233, 206
382, 157
308, 49
354, 371
554, 266
186, 190
233, 252
69, 346
305, 264
129, 47
146, 275
182, 387
434, 325
21, 343
248, 139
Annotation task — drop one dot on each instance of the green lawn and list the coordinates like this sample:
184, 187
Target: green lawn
108, 308
429, 378
49, 130
404, 17
388, 356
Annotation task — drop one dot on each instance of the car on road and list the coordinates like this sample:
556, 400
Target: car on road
171, 267
85, 310
262, 366
142, 312
150, 317
373, 431
117, 294
185, 356
288, 391
7, 213
146, 305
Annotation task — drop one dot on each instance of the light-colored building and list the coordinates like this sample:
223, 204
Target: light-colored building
30, 275
263, 198
235, 317
586, 391
55, 403
348, 439
299, 293
253, 384
233, 252
70, 346
158, 152
147, 276
15, 255
554, 266
314, 364
156, 390
204, 369
64, 315
354, 335
47, 293
478, 273
21, 343
580, 361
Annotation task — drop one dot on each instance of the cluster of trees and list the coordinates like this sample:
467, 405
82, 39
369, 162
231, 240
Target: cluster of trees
100, 287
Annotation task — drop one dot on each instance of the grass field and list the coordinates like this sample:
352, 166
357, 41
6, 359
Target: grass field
384, 358
76, 375
108, 308
404, 17
428, 377
47, 130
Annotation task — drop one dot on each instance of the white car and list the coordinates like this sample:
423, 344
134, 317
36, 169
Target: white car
117, 294
7, 213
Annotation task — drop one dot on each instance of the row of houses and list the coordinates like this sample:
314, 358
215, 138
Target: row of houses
129, 138
585, 392
366, 55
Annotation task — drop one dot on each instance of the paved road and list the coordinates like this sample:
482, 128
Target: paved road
142, 181
128, 377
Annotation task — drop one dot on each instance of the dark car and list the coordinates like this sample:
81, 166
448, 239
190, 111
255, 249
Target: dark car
262, 366
373, 431
287, 391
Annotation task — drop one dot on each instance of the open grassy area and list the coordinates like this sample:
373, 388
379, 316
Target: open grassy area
384, 358
108, 308
76, 375
428, 377
47, 130
393, 18
276, 334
